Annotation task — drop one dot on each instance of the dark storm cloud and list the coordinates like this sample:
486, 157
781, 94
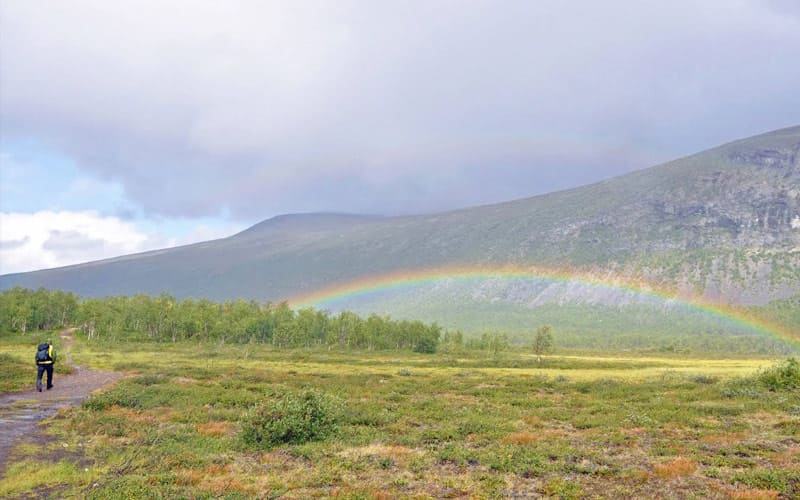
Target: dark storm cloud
260, 108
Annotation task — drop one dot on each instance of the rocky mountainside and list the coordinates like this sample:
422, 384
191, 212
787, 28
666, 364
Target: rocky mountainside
724, 223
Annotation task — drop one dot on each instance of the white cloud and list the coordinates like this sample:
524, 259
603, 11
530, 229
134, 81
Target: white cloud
45, 239
30, 241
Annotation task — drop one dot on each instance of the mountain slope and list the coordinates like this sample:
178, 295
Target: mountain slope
724, 223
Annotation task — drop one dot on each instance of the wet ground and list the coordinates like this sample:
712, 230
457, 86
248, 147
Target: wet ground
21, 412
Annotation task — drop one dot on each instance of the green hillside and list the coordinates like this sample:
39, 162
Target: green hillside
603, 319
723, 224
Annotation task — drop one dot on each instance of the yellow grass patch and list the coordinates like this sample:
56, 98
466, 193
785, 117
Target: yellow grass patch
462, 398
762, 418
521, 438
278, 458
213, 428
787, 459
378, 450
223, 485
533, 420
752, 494
189, 477
131, 415
372, 494
203, 477
566, 432
678, 467
400, 455
673, 428
726, 439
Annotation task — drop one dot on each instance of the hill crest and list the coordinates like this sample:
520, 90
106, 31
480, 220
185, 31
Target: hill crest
724, 223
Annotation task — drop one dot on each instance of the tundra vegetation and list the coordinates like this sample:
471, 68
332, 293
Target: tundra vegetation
235, 417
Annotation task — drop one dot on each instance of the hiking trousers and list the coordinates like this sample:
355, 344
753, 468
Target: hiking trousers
40, 371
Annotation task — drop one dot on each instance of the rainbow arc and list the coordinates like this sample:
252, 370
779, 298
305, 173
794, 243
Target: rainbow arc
408, 279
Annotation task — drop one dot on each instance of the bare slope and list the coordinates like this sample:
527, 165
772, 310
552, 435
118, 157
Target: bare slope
725, 222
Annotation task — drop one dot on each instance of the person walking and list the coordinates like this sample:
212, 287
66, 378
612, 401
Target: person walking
45, 359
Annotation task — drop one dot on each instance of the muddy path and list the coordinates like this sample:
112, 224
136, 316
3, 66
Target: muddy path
20, 412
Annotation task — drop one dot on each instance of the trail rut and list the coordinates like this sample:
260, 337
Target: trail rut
20, 412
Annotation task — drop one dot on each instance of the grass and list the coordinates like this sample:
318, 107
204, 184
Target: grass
425, 426
39, 479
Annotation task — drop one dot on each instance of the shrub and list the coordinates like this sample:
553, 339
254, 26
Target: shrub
291, 418
783, 376
426, 345
521, 438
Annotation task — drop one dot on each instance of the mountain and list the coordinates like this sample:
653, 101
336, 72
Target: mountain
723, 224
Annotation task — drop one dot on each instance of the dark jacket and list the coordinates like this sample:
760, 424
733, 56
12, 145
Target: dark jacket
51, 355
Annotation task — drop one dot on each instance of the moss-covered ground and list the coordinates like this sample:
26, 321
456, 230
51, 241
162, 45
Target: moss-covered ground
419, 426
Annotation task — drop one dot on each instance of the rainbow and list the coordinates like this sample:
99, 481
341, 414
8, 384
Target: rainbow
407, 279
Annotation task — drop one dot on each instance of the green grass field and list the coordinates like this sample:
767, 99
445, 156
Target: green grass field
410, 425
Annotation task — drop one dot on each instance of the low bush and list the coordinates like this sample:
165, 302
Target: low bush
784, 376
295, 417
427, 345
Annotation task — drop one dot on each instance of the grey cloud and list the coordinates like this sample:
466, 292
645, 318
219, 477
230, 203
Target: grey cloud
71, 242
260, 108
786, 7
12, 244
126, 214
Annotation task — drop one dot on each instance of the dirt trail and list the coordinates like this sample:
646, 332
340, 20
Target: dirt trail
20, 412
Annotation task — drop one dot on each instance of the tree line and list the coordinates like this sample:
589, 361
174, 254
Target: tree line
23, 310
165, 318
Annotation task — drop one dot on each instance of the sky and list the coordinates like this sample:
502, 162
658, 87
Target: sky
133, 125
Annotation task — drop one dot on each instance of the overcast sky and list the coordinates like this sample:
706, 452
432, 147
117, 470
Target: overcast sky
132, 125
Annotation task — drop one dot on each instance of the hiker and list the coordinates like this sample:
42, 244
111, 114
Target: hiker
45, 358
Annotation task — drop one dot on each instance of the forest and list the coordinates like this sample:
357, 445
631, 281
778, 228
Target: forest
166, 319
